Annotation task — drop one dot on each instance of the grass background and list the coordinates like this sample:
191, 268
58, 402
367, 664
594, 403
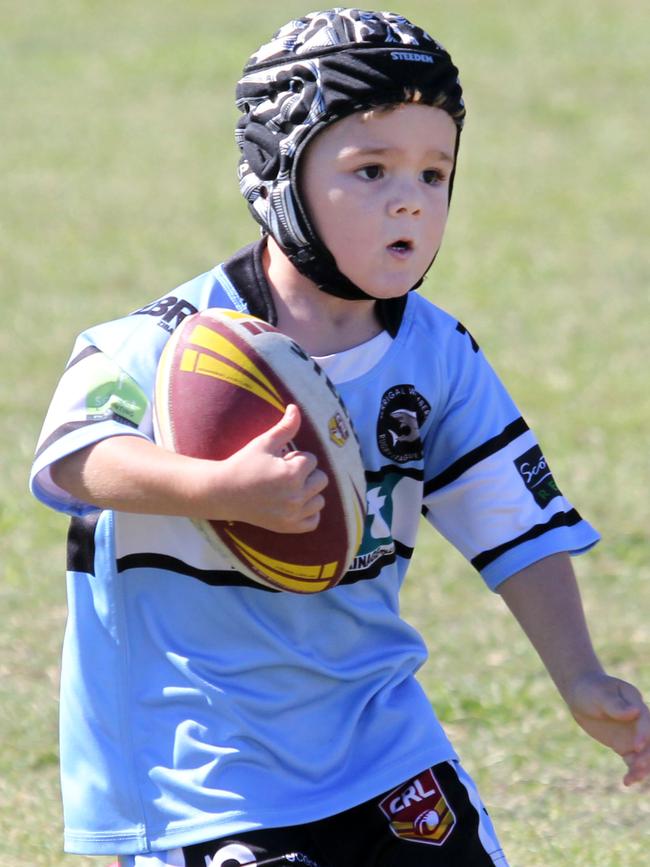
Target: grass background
117, 165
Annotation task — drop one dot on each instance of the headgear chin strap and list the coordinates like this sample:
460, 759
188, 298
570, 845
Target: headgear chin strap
317, 70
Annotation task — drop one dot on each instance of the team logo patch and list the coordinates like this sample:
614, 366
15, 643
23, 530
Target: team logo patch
537, 477
418, 811
339, 431
112, 394
402, 413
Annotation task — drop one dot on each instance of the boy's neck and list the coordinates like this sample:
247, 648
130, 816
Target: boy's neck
321, 323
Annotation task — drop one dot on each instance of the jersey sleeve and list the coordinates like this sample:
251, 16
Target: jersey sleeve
107, 387
95, 399
488, 486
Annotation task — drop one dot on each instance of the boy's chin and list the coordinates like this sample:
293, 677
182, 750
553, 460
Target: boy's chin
390, 287
387, 293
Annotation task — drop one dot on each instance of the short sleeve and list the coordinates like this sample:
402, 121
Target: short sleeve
108, 385
488, 487
95, 399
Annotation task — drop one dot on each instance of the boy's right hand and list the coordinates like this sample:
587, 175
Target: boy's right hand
272, 485
266, 483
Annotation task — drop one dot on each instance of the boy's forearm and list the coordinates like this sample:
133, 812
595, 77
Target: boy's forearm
131, 474
266, 482
545, 600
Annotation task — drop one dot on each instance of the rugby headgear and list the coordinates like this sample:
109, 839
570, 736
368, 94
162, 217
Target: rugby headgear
315, 71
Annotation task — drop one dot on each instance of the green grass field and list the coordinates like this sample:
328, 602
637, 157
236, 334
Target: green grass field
118, 167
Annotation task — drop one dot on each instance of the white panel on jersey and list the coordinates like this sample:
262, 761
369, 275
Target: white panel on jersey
489, 504
174, 537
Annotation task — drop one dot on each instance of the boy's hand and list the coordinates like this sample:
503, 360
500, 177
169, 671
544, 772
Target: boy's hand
266, 483
614, 713
544, 598
274, 486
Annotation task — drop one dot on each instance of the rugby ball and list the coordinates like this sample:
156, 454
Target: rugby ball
224, 378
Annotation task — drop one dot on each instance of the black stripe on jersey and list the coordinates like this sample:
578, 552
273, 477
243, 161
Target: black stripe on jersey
489, 447
403, 550
230, 578
81, 544
89, 350
71, 426
462, 330
68, 427
213, 577
373, 570
560, 519
392, 469
369, 572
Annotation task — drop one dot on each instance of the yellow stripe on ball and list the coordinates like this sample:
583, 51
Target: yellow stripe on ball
290, 576
208, 339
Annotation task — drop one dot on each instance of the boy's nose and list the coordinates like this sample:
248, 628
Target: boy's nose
410, 208
405, 201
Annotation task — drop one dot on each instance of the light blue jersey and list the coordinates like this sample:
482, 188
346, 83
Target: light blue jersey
196, 704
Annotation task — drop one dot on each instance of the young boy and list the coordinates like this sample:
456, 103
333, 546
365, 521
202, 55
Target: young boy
206, 720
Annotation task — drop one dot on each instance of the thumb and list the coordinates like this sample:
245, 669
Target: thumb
279, 436
621, 704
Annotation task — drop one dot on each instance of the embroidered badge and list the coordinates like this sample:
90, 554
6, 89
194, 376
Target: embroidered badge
418, 811
402, 413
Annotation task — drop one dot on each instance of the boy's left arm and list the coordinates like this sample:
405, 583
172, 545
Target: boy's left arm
545, 600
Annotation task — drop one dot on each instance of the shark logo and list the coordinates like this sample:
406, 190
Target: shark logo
402, 412
407, 430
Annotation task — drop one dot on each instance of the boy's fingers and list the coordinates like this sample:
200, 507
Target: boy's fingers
305, 464
309, 524
638, 769
314, 507
316, 482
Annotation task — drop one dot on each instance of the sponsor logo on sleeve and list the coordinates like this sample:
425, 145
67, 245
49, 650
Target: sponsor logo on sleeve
112, 394
537, 476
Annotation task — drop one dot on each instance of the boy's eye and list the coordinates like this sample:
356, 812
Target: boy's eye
432, 176
371, 173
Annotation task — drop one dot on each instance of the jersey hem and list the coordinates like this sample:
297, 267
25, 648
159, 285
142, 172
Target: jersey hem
557, 541
188, 833
50, 494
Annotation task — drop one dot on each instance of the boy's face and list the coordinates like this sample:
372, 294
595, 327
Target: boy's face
377, 188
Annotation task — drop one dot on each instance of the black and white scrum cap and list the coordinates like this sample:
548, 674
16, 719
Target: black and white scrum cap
315, 71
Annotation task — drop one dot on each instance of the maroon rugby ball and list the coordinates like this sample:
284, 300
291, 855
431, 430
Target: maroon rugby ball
226, 377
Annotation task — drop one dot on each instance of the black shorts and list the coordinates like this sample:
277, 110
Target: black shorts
435, 819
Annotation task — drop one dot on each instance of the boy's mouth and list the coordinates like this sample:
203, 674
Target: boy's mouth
401, 246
